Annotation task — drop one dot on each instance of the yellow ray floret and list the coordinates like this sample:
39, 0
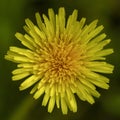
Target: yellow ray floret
62, 58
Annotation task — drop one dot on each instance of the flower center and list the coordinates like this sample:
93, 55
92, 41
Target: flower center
63, 61
59, 64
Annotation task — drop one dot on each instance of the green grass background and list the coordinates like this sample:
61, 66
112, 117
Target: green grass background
16, 105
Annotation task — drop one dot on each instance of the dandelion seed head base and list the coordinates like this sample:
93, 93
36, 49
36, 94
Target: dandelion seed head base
61, 59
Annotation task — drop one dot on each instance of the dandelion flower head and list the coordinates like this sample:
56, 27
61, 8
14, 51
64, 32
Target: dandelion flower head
62, 58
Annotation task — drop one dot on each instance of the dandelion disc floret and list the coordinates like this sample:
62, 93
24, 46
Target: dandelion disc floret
61, 58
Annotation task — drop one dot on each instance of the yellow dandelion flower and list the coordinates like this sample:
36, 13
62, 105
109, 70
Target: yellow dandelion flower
62, 58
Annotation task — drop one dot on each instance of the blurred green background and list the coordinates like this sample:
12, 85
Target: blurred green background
15, 105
